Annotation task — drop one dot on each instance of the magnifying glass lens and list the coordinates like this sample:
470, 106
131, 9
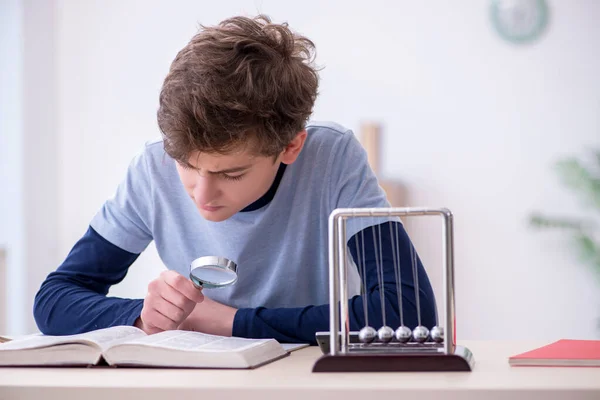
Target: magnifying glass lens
213, 272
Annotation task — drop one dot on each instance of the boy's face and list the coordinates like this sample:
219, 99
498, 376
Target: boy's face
223, 184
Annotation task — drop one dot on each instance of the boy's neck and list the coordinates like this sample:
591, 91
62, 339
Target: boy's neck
268, 196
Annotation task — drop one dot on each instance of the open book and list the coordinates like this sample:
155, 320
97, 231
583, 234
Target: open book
130, 346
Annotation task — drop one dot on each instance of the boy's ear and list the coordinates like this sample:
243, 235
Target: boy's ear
292, 150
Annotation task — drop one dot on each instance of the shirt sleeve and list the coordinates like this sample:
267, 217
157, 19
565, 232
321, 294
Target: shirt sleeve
73, 298
125, 219
301, 324
353, 184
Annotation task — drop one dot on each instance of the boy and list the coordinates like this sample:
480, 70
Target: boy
239, 174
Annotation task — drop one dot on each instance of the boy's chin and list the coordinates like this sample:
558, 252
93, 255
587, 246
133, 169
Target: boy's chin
217, 216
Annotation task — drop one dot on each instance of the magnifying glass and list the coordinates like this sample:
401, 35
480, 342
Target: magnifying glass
212, 272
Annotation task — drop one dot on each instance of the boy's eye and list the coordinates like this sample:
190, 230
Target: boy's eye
233, 177
185, 166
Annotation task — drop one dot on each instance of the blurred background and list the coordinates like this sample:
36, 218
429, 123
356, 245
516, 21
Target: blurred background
475, 100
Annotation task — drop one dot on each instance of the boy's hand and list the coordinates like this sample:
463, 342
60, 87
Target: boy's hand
210, 317
170, 299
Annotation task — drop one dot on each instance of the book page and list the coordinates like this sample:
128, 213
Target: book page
102, 338
294, 346
4, 339
196, 341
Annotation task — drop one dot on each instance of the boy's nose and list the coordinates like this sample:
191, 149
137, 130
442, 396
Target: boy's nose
205, 192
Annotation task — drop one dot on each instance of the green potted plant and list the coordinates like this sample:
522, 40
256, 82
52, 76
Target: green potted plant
585, 181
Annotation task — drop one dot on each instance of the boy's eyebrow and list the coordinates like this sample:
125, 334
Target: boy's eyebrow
229, 170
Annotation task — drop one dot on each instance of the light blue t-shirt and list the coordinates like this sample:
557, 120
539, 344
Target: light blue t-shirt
281, 249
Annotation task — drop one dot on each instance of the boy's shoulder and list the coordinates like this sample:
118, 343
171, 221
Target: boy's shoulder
153, 151
327, 129
155, 145
152, 159
328, 134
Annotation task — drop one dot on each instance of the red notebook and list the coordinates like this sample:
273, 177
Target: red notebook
563, 353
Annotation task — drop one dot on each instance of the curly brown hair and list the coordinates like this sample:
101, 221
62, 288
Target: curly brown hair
244, 82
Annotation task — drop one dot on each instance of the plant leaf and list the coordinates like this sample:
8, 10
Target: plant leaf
589, 250
579, 178
541, 221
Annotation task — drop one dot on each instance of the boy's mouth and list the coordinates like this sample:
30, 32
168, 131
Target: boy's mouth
211, 208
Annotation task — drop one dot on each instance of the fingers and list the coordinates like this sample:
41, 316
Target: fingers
162, 314
182, 285
161, 289
171, 312
154, 321
181, 305
170, 299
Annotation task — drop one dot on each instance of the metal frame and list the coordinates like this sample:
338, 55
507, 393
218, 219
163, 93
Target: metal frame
338, 271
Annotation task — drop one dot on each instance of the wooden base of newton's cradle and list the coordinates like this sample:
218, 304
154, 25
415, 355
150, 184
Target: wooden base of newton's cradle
405, 361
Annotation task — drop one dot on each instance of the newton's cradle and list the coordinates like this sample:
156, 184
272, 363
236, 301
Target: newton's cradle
388, 348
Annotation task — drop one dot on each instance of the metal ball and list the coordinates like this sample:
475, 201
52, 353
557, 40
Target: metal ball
385, 334
420, 334
367, 334
403, 334
437, 334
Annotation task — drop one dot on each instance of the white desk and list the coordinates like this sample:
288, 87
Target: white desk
291, 378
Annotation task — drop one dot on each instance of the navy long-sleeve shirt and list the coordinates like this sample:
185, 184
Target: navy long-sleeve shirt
73, 298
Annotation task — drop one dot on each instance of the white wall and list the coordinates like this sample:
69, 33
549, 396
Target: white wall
28, 148
42, 150
11, 156
472, 123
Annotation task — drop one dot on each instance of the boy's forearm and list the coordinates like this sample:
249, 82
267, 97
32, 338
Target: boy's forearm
73, 298
62, 308
292, 325
299, 325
